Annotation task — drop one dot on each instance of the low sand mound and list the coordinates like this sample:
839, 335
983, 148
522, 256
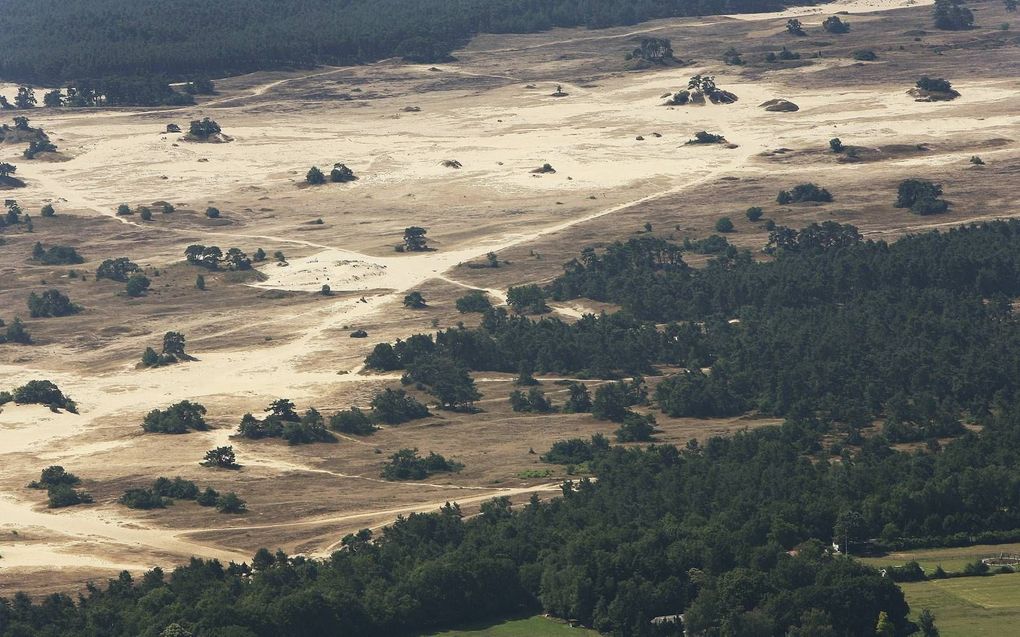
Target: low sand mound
921, 95
722, 97
22, 134
217, 138
779, 105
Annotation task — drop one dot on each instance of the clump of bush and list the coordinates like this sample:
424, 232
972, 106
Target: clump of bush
50, 304
41, 392
921, 196
15, 332
803, 193
534, 401
406, 464
164, 491
59, 485
56, 255
833, 24
704, 137
282, 421
178, 418
576, 450
474, 301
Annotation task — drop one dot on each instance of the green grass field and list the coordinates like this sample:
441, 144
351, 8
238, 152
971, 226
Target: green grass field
969, 606
952, 560
529, 627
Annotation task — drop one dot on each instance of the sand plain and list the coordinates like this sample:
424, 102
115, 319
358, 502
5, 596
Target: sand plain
268, 335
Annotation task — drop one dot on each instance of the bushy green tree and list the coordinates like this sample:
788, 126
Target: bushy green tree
724, 224
221, 458
833, 24
527, 299
178, 418
952, 15
395, 406
921, 196
414, 239
415, 301
474, 301
51, 303
137, 285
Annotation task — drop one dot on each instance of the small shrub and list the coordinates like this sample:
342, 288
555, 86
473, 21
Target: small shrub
230, 503
352, 421
833, 24
754, 213
406, 464
62, 495
921, 196
315, 176
724, 224
221, 458
415, 301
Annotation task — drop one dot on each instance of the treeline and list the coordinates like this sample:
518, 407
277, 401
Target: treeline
135, 48
732, 533
920, 331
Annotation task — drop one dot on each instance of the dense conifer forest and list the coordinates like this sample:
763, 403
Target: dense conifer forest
857, 343
56, 42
